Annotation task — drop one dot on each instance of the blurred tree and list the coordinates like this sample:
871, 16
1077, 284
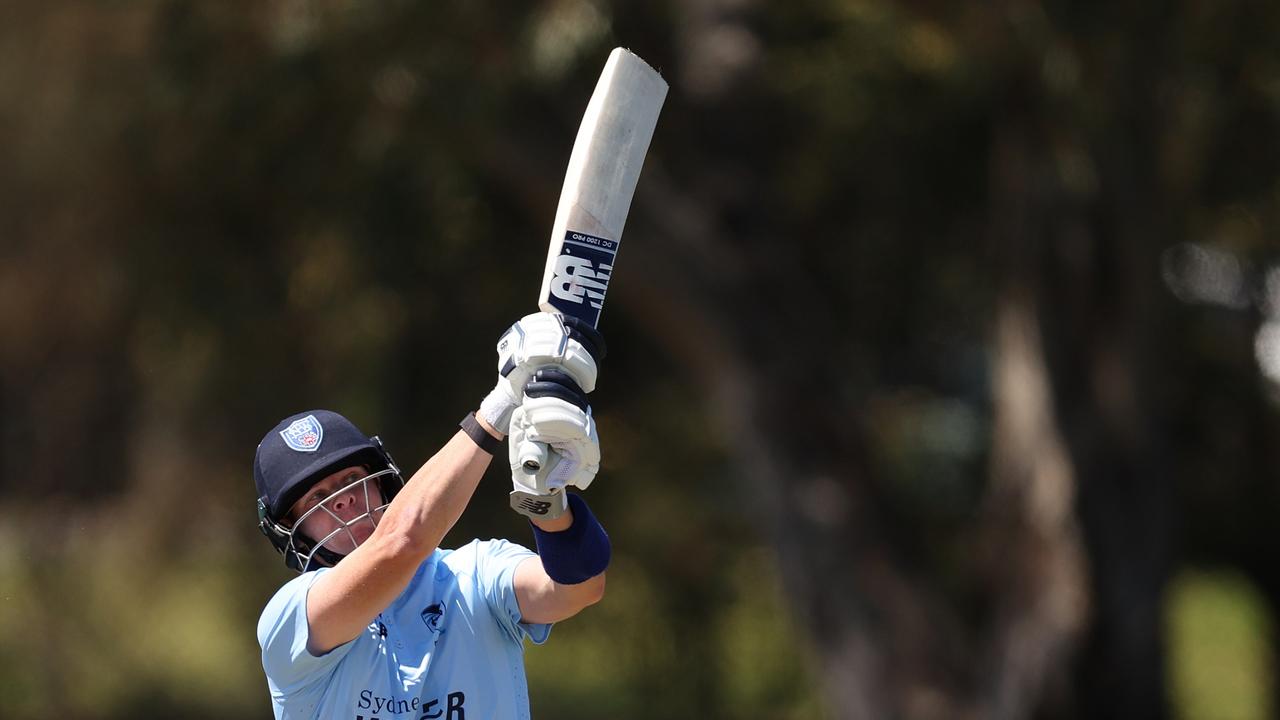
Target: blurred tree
1062, 116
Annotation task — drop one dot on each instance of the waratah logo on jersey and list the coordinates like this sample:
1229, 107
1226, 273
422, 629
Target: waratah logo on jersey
433, 616
303, 435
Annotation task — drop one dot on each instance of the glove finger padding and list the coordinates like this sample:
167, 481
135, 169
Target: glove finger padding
572, 446
554, 382
542, 339
583, 332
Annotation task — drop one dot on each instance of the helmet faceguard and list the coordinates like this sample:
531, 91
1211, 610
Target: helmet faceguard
302, 552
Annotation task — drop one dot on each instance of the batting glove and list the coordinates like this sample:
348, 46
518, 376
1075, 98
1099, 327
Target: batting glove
538, 341
554, 444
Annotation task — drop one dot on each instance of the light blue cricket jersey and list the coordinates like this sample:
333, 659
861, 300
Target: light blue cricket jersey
450, 647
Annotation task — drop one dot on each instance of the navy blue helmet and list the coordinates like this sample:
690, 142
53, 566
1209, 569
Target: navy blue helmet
299, 452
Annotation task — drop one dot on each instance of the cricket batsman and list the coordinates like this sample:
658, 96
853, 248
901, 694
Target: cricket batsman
381, 622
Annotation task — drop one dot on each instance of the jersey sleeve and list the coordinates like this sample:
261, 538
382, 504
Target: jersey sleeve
283, 633
496, 562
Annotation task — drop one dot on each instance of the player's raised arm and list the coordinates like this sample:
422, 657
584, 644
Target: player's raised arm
573, 548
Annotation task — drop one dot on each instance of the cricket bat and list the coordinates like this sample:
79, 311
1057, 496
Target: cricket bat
599, 183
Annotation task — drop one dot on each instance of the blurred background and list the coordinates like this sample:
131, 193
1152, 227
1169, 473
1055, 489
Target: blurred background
945, 340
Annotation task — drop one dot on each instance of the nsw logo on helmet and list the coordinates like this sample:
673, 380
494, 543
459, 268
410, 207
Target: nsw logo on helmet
303, 434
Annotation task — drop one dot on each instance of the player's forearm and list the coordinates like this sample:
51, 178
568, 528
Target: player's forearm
559, 524
569, 572
434, 498
543, 600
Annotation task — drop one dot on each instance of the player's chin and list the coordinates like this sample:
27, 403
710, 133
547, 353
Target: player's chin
361, 531
347, 540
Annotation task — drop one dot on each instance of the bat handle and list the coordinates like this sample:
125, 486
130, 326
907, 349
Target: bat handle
533, 455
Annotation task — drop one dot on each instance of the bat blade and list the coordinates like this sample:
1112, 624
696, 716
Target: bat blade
599, 184
604, 168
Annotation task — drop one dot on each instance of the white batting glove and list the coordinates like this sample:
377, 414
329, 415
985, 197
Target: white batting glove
537, 341
554, 444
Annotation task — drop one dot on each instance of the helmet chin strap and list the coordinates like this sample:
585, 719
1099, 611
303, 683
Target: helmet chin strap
320, 558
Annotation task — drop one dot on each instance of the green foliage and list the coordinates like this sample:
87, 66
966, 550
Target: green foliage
1222, 666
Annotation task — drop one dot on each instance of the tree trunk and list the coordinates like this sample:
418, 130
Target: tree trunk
1035, 557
